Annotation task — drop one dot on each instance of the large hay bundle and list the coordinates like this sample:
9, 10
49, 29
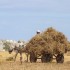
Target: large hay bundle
50, 41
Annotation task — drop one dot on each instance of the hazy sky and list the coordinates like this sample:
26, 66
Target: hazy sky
20, 19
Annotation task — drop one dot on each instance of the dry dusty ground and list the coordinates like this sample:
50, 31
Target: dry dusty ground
11, 65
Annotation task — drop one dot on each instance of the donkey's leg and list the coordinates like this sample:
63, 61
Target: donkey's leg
15, 56
21, 58
27, 56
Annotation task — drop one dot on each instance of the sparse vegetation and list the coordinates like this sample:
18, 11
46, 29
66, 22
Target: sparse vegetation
10, 59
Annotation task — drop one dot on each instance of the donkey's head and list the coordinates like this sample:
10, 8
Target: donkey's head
10, 50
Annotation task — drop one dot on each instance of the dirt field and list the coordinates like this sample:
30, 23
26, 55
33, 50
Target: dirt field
11, 65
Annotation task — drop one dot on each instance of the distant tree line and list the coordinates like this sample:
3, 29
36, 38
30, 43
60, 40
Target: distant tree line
6, 46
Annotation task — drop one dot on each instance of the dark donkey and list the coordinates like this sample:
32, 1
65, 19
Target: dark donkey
19, 50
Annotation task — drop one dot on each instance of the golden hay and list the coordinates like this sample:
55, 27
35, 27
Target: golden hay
50, 41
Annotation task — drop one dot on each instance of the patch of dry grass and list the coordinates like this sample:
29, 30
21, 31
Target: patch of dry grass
5, 55
11, 65
34, 66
